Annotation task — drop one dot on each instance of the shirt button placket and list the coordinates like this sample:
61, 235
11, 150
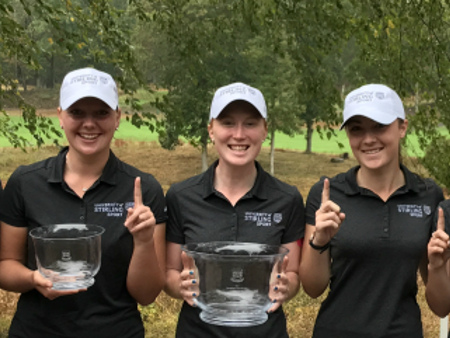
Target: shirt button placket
385, 221
83, 213
234, 233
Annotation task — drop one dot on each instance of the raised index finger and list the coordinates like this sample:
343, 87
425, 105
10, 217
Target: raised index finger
137, 192
326, 191
441, 220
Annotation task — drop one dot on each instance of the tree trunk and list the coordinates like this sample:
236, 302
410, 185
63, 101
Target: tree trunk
37, 79
272, 152
416, 99
204, 156
51, 72
309, 132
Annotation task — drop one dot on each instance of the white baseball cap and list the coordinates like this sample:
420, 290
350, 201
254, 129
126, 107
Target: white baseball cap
374, 101
237, 91
88, 82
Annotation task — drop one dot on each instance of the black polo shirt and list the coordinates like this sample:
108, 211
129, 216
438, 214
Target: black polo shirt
375, 257
37, 195
272, 212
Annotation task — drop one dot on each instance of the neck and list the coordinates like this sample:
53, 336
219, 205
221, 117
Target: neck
85, 165
234, 182
382, 182
81, 172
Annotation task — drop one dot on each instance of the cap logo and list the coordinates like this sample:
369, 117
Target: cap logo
380, 95
361, 97
236, 90
90, 79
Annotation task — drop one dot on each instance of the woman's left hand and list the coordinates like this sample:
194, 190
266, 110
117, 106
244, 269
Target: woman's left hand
140, 220
279, 286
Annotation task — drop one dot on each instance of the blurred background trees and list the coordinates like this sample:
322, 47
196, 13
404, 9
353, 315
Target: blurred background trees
305, 56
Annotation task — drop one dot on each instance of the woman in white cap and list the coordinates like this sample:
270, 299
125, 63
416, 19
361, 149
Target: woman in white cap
234, 200
368, 228
85, 183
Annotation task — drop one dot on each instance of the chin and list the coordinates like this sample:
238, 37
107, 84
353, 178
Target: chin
239, 162
374, 165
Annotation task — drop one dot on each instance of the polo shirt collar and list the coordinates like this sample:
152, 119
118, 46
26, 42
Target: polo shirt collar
352, 187
108, 176
256, 191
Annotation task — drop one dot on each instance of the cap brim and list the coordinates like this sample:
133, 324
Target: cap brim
372, 114
81, 94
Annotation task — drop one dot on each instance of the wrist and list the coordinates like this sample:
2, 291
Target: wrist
435, 267
319, 247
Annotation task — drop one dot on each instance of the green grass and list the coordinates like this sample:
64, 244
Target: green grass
319, 145
127, 131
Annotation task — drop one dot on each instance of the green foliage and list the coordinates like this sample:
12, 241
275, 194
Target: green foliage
43, 40
436, 160
304, 56
205, 45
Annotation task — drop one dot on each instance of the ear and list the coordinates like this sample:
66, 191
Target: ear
118, 115
403, 126
59, 112
210, 129
266, 129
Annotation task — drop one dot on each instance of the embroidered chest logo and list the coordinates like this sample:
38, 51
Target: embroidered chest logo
263, 219
414, 210
112, 209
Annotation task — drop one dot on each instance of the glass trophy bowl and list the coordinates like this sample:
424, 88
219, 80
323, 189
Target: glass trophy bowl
234, 280
68, 254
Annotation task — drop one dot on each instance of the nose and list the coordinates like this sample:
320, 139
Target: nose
369, 137
239, 131
88, 120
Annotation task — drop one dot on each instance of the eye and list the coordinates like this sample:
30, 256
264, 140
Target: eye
354, 128
76, 113
226, 122
100, 114
251, 123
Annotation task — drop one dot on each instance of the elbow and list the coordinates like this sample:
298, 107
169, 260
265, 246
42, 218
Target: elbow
313, 293
145, 302
440, 312
437, 304
313, 289
149, 297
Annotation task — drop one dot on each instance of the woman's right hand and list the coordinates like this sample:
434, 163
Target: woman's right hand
189, 288
438, 246
328, 217
44, 286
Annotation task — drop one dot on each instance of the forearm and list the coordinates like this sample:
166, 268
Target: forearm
15, 277
315, 271
438, 291
145, 278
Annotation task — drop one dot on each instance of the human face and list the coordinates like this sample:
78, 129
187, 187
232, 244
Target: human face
238, 134
375, 145
89, 125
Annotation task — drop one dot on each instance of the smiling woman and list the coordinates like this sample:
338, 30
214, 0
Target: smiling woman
368, 228
234, 200
85, 183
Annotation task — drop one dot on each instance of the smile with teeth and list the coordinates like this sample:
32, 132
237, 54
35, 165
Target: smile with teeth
89, 136
372, 151
238, 147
